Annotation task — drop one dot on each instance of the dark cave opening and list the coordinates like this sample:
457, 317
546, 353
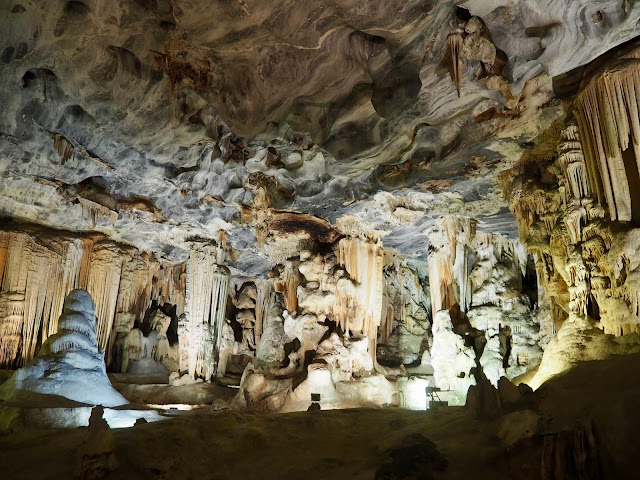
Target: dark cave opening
633, 179
593, 310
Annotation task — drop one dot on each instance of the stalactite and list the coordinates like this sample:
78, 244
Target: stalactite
207, 291
291, 283
37, 275
530, 205
448, 264
264, 301
571, 160
358, 304
63, 147
136, 284
608, 119
67, 278
26, 273
221, 250
94, 211
38, 297
219, 303
455, 42
103, 286
441, 281
11, 318
574, 219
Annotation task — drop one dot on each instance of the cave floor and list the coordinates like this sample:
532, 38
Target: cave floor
231, 445
355, 444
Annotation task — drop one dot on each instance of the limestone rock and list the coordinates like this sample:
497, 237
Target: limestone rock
70, 364
96, 457
571, 454
270, 350
509, 394
483, 401
517, 426
452, 361
247, 297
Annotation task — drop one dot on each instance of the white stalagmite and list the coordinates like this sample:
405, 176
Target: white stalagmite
69, 364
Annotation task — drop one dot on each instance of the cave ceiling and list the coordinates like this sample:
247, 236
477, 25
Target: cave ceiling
160, 122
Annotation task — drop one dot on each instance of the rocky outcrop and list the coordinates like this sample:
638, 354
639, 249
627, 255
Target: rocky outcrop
96, 457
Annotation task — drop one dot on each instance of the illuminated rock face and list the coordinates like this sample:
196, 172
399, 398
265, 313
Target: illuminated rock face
322, 200
40, 268
70, 364
576, 202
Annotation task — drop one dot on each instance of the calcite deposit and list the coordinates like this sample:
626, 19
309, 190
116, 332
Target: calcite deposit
340, 203
215, 209
69, 364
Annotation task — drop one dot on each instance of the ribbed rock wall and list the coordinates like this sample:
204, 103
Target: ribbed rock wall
39, 269
576, 202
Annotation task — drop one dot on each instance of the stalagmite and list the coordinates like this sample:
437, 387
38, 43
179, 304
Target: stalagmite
70, 363
96, 458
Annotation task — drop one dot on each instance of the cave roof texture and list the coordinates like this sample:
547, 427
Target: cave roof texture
161, 122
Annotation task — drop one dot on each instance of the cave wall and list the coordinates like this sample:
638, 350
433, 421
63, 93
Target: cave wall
39, 268
345, 306
575, 203
575, 198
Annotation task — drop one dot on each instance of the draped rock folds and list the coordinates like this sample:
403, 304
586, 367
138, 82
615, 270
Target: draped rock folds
38, 271
578, 215
207, 290
608, 113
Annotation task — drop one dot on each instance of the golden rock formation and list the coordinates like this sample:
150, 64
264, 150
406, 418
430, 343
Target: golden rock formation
38, 272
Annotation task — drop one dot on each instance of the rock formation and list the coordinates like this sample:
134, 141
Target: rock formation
40, 270
96, 458
347, 200
69, 364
